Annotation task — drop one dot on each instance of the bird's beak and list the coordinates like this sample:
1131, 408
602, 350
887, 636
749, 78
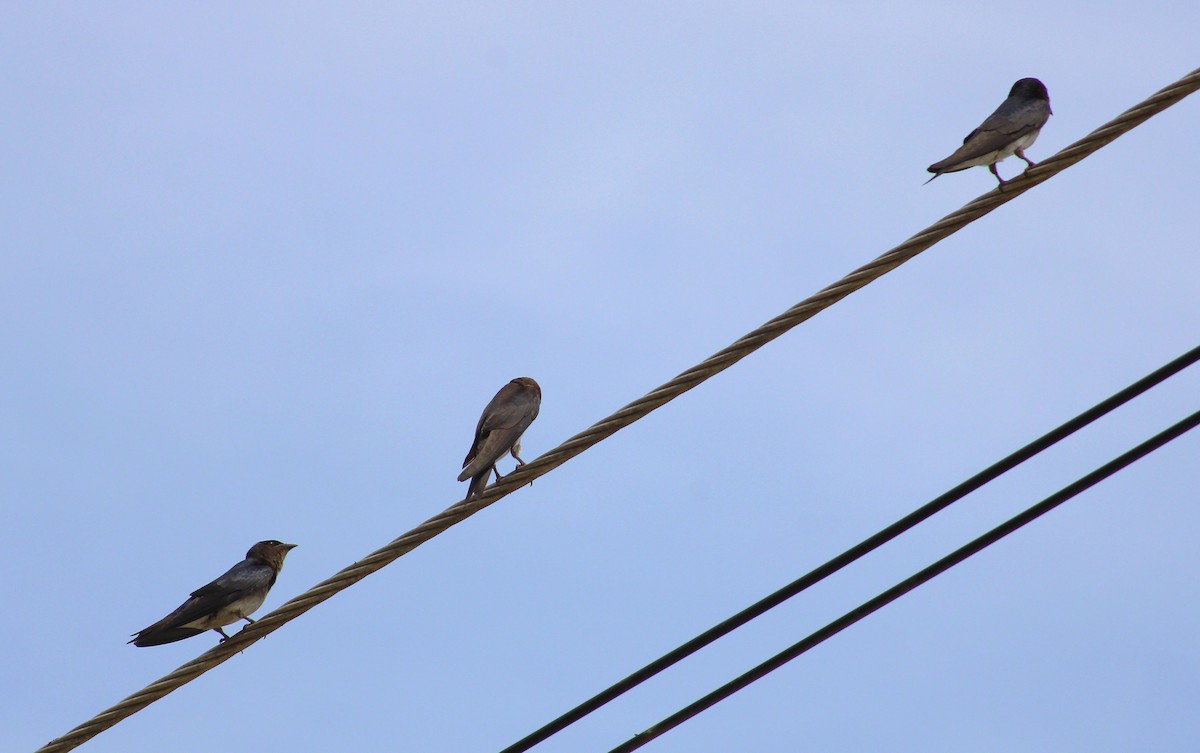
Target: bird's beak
290, 547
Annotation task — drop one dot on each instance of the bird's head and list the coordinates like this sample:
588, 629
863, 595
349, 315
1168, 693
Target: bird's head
1030, 88
529, 384
271, 552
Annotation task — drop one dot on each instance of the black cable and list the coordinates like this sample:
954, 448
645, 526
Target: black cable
900, 589
850, 555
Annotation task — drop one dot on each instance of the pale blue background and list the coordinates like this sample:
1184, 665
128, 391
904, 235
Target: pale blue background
264, 264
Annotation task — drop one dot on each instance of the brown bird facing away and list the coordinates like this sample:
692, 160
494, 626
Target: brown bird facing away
1010, 130
232, 597
500, 427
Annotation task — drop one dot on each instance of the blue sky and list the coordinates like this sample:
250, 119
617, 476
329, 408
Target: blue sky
266, 264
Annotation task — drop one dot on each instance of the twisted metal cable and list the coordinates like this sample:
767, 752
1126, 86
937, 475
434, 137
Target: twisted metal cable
639, 408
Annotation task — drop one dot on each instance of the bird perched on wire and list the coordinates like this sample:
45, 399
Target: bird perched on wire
1010, 130
500, 427
232, 597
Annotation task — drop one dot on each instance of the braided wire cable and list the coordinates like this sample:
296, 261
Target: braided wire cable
634, 411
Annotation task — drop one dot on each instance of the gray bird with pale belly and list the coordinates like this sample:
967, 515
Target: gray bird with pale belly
1010, 130
232, 597
500, 427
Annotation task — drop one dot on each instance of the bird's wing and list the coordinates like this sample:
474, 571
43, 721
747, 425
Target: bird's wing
245, 576
1009, 122
503, 422
471, 453
1017, 118
506, 411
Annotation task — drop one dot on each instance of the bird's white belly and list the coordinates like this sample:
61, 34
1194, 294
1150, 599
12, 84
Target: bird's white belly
990, 158
243, 607
1002, 154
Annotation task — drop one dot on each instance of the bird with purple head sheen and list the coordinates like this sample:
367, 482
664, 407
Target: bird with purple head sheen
1010, 130
499, 431
232, 597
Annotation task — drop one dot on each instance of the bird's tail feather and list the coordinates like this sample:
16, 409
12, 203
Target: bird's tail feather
478, 482
159, 637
